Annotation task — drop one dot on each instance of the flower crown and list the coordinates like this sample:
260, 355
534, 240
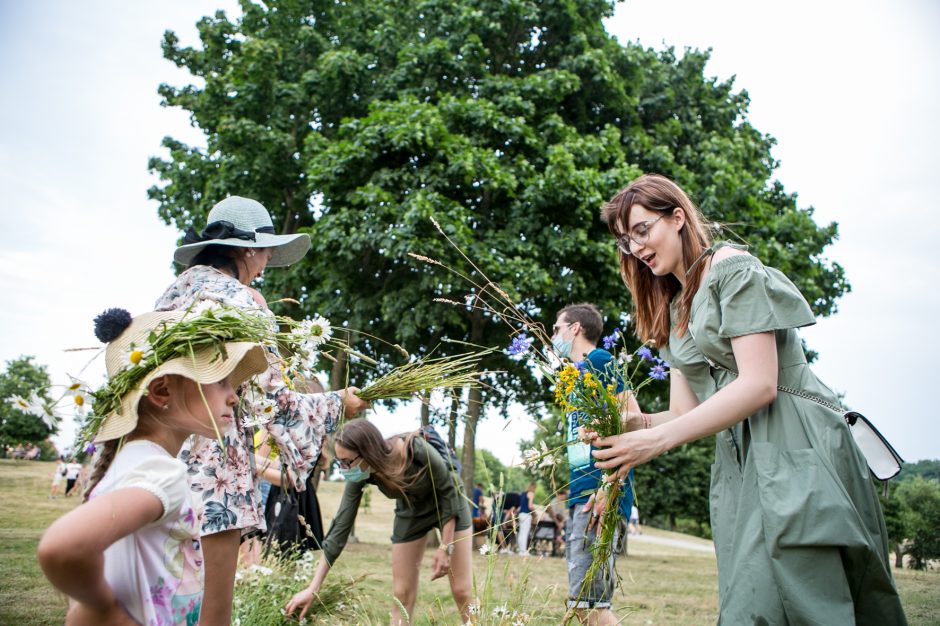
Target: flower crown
204, 326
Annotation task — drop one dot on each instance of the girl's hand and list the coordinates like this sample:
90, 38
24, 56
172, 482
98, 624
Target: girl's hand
441, 564
627, 450
352, 404
302, 601
112, 615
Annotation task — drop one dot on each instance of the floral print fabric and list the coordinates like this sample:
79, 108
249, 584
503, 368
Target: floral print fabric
224, 477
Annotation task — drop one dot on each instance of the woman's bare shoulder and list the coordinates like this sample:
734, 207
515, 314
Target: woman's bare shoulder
726, 252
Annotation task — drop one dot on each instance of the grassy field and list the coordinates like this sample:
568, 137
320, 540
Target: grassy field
662, 584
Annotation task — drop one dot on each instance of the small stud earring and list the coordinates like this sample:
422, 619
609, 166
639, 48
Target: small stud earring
251, 253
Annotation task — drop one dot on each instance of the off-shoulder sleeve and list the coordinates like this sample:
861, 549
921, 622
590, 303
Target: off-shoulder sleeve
752, 298
164, 477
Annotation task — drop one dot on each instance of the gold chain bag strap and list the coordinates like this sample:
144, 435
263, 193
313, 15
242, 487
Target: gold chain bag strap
883, 460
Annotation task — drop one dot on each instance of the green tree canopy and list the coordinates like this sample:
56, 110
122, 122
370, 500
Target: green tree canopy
22, 378
920, 513
509, 122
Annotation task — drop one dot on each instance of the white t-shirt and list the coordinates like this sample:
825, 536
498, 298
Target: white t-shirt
59, 473
72, 470
156, 572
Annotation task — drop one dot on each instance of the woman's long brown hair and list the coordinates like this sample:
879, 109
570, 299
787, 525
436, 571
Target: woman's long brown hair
652, 294
362, 437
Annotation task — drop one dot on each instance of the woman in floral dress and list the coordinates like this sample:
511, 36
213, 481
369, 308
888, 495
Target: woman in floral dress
236, 246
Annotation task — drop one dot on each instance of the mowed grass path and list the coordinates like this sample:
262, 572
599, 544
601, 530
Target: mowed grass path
662, 585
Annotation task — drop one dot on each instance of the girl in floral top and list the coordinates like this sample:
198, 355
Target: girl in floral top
234, 249
131, 553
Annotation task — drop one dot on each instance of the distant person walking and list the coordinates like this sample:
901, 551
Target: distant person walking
73, 470
635, 521
58, 478
526, 507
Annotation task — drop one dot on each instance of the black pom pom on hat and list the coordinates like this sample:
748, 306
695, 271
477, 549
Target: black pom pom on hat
110, 324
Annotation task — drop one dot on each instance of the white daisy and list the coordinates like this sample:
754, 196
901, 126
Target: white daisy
47, 413
312, 333
20, 404
262, 411
78, 390
206, 305
136, 355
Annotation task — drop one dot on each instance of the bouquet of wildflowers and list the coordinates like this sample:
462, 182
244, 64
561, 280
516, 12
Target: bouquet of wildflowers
595, 395
602, 412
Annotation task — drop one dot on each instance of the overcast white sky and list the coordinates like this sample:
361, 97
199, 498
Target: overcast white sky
850, 90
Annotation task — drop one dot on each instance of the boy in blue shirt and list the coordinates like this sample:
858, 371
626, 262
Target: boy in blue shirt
577, 329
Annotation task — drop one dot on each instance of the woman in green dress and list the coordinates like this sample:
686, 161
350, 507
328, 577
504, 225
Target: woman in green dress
798, 530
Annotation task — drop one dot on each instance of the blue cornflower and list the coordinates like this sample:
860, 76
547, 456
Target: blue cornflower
611, 340
646, 353
90, 449
520, 344
658, 372
581, 365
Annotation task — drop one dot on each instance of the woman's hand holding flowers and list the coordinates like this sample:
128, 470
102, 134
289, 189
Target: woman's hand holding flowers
628, 450
352, 404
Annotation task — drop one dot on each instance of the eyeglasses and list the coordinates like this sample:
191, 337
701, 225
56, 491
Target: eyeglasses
347, 463
557, 327
639, 234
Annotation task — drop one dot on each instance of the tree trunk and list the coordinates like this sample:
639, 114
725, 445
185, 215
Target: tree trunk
425, 409
338, 371
468, 454
452, 420
474, 409
899, 556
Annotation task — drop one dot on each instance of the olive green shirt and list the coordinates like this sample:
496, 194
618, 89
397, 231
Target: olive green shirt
435, 497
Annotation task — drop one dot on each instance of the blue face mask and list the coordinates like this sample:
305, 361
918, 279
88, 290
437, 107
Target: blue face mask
562, 347
354, 474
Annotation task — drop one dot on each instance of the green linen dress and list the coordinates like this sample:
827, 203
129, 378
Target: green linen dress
798, 529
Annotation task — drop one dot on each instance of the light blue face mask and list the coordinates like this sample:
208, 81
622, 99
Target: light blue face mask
354, 474
562, 347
